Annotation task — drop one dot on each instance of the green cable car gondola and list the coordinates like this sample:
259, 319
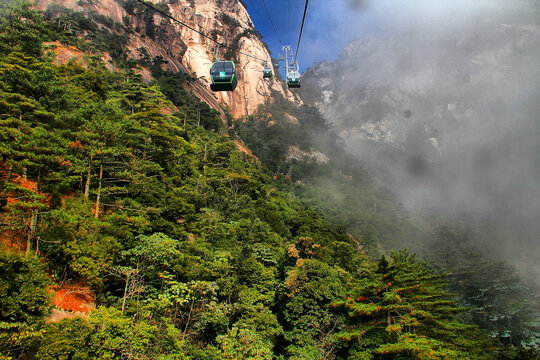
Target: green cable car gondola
293, 79
223, 75
267, 72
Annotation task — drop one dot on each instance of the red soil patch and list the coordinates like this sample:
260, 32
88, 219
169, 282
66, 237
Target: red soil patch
16, 238
243, 148
17, 179
73, 297
59, 315
65, 197
64, 53
167, 110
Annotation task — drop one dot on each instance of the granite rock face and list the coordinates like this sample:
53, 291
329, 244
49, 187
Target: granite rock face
151, 35
432, 86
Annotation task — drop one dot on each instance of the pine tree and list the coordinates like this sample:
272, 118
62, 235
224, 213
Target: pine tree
403, 308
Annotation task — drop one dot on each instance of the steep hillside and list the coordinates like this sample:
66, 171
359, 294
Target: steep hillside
143, 36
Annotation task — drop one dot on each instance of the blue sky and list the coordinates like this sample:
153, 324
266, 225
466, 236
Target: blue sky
322, 37
330, 24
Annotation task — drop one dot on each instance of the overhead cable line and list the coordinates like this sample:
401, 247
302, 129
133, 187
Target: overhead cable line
301, 28
197, 31
271, 22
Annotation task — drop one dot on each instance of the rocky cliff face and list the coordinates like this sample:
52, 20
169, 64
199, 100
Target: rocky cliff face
150, 35
427, 87
232, 24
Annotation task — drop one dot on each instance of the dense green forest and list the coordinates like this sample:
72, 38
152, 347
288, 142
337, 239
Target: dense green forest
341, 187
192, 249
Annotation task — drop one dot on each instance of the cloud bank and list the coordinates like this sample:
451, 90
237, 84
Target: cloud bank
454, 88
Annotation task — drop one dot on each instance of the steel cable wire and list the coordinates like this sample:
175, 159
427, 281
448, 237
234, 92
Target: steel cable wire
197, 31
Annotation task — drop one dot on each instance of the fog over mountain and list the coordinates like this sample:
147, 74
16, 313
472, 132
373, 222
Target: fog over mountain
446, 111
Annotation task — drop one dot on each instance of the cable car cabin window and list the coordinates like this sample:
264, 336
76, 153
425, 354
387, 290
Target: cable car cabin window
223, 76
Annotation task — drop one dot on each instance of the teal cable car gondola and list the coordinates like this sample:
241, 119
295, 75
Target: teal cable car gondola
267, 71
293, 74
223, 75
293, 79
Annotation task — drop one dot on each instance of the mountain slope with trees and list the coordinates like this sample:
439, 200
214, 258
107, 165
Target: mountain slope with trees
346, 193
